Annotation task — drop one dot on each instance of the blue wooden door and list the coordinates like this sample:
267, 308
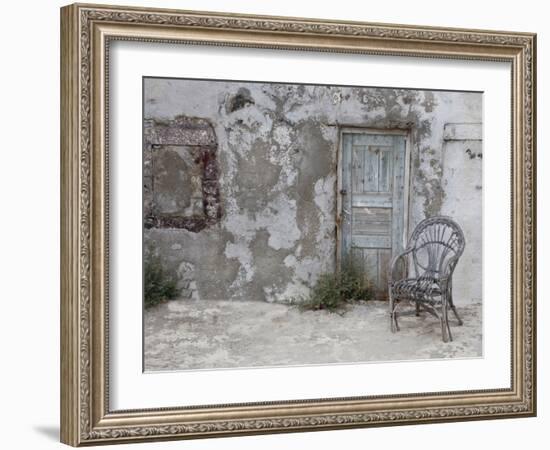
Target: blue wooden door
373, 202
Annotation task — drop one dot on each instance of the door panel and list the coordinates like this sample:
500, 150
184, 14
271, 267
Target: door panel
371, 241
358, 163
371, 221
385, 169
376, 199
370, 260
373, 203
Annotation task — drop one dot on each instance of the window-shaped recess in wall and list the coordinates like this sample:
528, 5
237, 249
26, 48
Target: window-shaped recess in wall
181, 188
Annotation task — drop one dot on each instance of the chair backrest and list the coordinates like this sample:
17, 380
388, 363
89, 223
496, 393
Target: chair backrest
434, 242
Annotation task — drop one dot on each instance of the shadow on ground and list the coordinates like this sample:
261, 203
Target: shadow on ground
50, 432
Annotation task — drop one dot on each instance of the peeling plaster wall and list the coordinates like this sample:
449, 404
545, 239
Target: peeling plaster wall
276, 153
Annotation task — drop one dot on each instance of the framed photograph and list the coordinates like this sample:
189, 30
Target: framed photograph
276, 224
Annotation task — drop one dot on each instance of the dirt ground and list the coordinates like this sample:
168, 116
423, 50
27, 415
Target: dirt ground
188, 334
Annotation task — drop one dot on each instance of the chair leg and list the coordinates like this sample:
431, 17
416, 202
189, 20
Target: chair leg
452, 305
460, 322
417, 309
445, 331
394, 326
447, 335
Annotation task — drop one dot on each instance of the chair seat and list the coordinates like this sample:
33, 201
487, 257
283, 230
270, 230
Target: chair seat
425, 289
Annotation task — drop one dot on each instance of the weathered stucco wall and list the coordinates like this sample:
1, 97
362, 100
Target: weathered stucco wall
255, 165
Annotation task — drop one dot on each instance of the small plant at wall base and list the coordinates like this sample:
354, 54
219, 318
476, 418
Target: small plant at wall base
334, 290
158, 286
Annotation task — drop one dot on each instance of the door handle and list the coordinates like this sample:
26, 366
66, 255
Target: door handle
343, 192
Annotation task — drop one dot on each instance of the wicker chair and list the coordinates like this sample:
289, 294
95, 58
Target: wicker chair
433, 251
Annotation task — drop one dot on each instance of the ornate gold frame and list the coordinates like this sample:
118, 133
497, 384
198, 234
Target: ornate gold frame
86, 31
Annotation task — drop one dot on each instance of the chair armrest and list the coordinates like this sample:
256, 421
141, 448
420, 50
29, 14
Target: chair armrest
449, 267
395, 261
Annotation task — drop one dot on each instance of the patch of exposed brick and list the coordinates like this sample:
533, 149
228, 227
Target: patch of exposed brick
182, 130
191, 223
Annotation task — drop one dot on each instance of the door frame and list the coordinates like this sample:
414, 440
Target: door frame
406, 132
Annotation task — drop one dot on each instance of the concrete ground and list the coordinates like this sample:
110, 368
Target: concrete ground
188, 334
